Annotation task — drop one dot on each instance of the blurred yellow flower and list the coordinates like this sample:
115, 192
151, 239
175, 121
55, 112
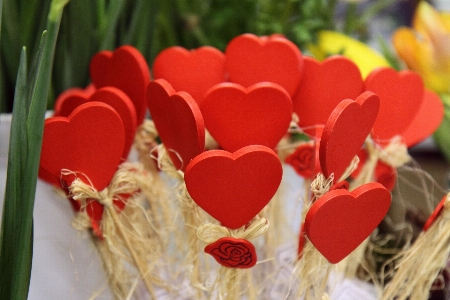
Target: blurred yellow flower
332, 42
425, 48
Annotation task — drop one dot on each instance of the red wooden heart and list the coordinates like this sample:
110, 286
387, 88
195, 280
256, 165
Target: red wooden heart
345, 132
72, 98
234, 187
323, 86
435, 214
340, 220
426, 121
251, 59
192, 71
238, 117
90, 142
178, 121
125, 69
401, 95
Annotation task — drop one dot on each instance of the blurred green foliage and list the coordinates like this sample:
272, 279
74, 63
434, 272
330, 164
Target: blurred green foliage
89, 26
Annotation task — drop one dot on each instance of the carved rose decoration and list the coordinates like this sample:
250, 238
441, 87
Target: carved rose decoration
305, 160
233, 253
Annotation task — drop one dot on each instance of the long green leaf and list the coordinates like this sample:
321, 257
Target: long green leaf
11, 219
23, 163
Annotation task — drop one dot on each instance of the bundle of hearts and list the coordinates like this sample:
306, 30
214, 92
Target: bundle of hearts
202, 210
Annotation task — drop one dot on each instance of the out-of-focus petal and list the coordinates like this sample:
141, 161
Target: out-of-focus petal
420, 56
332, 42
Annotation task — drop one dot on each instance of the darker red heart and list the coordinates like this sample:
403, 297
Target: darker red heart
345, 132
237, 116
401, 95
251, 59
323, 86
72, 98
340, 220
192, 71
89, 142
234, 187
178, 121
125, 69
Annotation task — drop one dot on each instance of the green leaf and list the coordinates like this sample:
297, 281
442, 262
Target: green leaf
12, 219
16, 243
114, 10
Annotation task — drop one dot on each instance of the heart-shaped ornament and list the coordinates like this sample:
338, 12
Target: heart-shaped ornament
234, 187
125, 69
193, 71
72, 98
341, 220
90, 142
345, 132
251, 59
435, 214
178, 121
323, 86
401, 95
426, 121
237, 116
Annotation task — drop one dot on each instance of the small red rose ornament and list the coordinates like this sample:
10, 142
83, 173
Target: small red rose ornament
233, 253
305, 160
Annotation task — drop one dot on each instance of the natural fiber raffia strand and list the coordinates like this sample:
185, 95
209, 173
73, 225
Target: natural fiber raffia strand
421, 263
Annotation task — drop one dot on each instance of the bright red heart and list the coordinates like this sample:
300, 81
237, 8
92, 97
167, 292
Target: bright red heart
251, 59
340, 220
323, 86
234, 187
345, 132
178, 121
90, 142
125, 69
435, 214
401, 95
426, 121
72, 98
193, 71
237, 116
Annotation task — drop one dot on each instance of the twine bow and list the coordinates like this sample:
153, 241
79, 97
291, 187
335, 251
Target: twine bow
210, 233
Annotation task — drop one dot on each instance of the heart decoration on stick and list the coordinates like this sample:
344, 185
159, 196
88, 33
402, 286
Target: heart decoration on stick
192, 71
72, 98
401, 95
251, 59
90, 141
178, 121
341, 220
426, 121
323, 86
237, 116
345, 132
234, 187
125, 69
